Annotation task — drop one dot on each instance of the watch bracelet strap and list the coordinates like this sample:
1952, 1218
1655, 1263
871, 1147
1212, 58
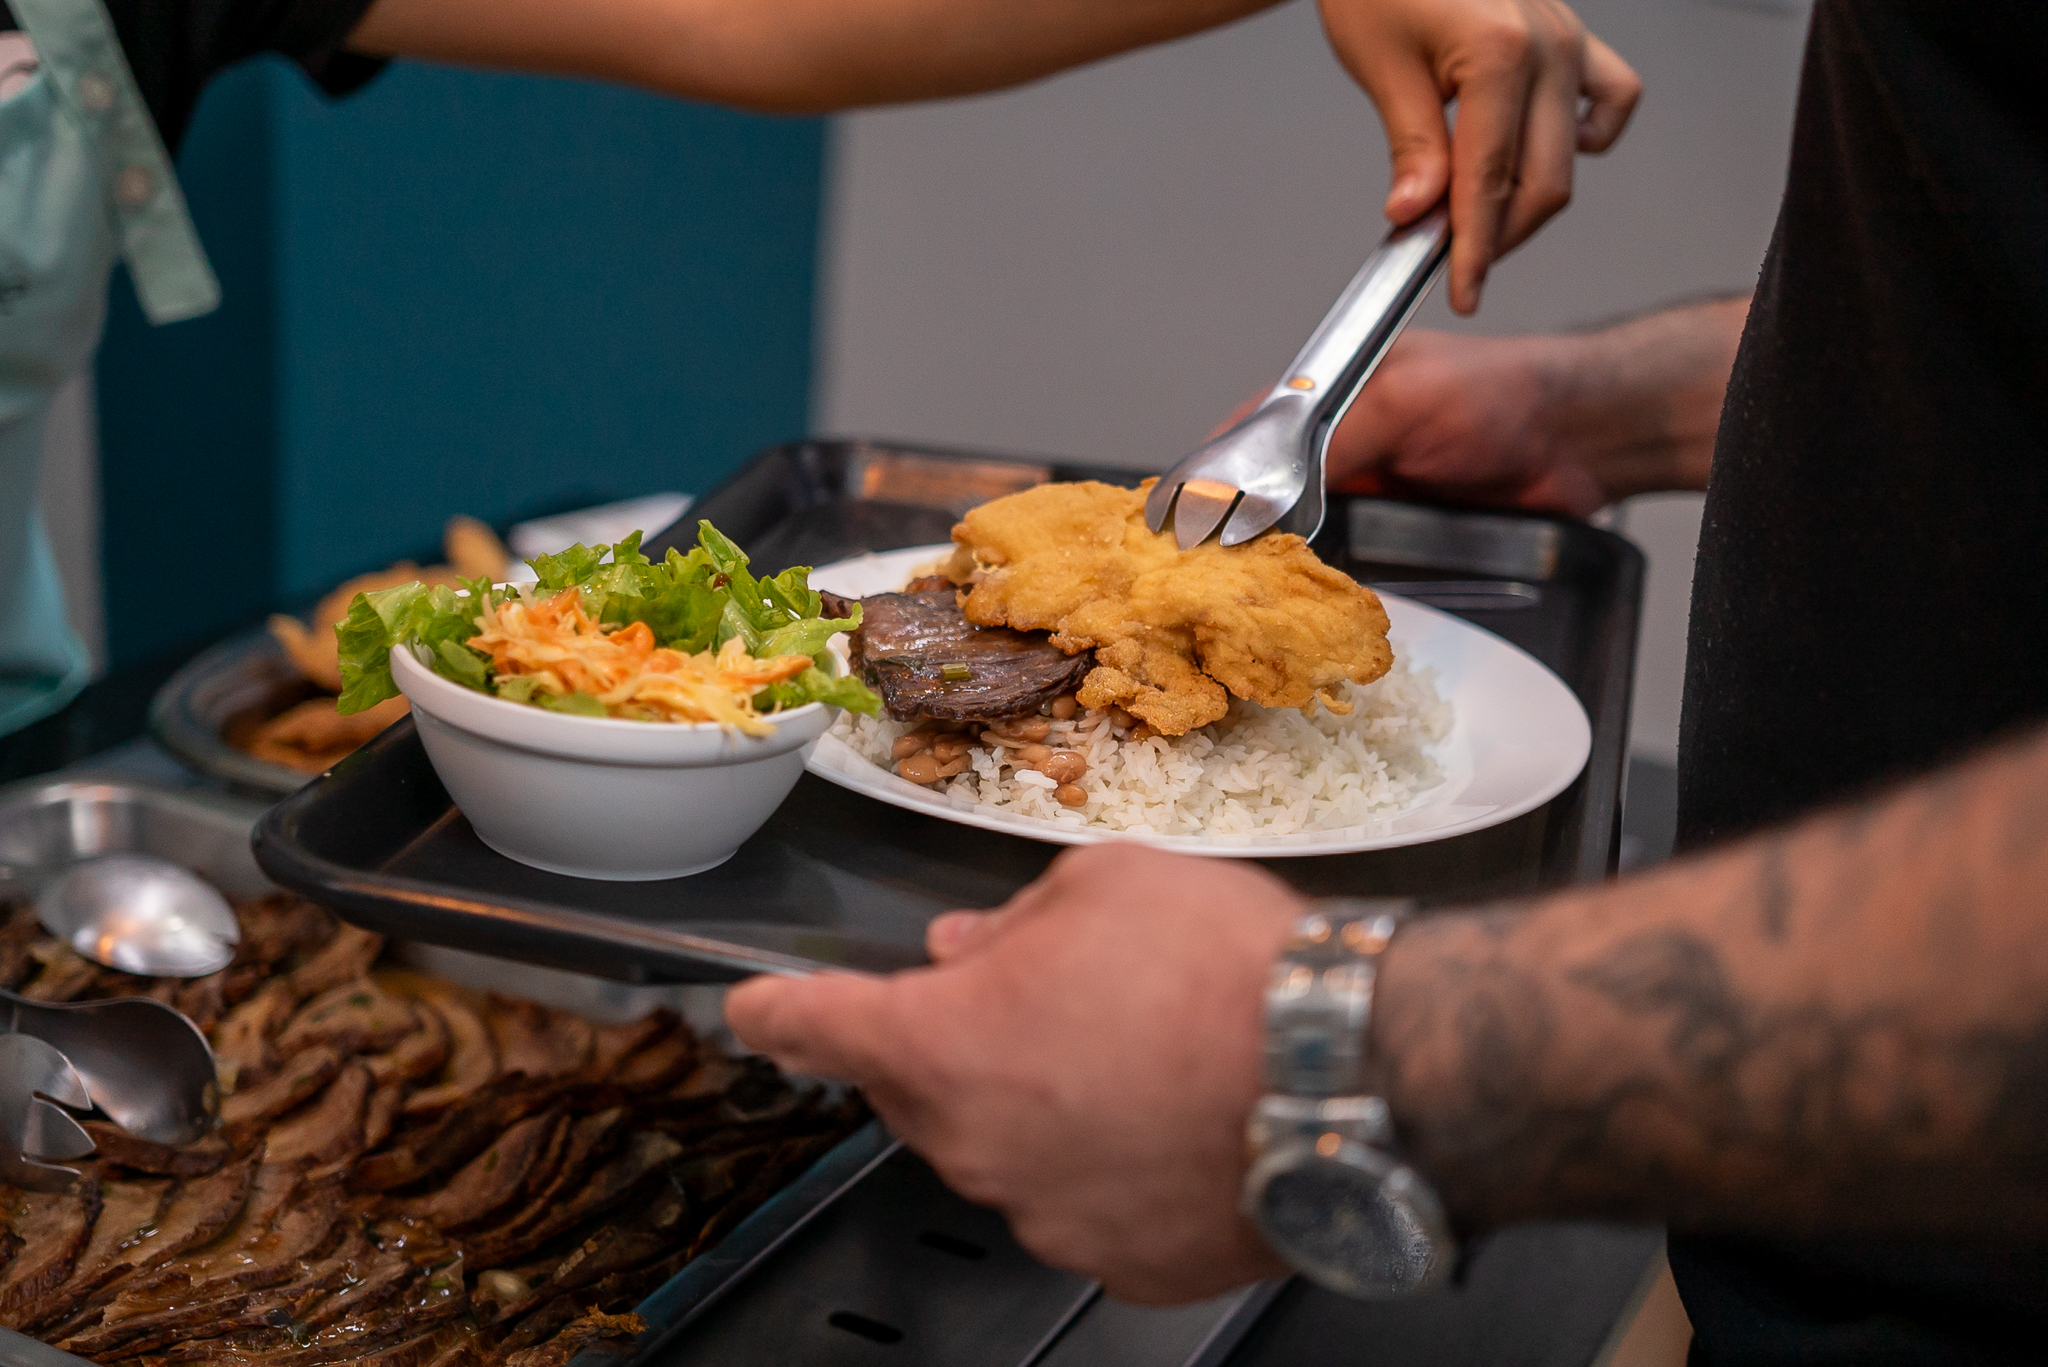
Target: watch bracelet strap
1319, 997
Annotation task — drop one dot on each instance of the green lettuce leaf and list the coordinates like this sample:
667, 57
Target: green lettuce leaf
581, 704
693, 601
815, 685
806, 637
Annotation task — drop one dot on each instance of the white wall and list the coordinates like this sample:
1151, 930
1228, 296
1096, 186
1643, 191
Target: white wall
1102, 265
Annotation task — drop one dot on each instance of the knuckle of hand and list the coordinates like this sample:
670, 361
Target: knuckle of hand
1503, 44
1493, 180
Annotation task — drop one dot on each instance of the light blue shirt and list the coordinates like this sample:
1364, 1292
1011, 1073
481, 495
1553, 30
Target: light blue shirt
84, 181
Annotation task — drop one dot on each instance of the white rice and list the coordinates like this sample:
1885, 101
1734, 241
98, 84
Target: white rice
1257, 772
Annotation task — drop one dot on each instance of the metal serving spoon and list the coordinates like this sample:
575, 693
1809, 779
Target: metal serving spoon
137, 913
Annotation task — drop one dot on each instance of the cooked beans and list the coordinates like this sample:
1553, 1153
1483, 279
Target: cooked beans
909, 745
1031, 756
1120, 718
1023, 728
949, 748
1064, 766
919, 768
1070, 795
1064, 707
953, 766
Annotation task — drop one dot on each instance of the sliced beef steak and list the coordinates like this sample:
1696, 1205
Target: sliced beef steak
538, 1041
330, 1129
356, 1017
425, 1151
645, 1154
196, 1159
616, 1044
573, 1337
661, 1064
343, 959
127, 1209
246, 1112
242, 1041
590, 1141
55, 1228
421, 1054
472, 1053
195, 1212
906, 640
490, 1181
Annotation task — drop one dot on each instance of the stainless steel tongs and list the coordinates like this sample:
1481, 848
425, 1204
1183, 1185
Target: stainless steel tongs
1267, 470
138, 1062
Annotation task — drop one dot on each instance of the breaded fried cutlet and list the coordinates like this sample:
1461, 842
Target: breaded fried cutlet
1175, 632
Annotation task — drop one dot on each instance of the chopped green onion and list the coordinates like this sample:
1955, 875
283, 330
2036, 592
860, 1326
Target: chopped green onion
956, 673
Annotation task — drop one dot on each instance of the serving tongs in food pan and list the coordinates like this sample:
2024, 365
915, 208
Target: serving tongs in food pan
1267, 470
140, 1063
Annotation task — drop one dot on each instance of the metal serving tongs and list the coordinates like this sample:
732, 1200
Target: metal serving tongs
1267, 470
140, 1063
37, 1084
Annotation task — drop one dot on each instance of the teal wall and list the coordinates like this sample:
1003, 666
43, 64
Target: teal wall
452, 292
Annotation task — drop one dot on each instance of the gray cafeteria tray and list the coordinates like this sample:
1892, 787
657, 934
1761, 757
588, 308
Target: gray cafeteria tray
53, 821
836, 879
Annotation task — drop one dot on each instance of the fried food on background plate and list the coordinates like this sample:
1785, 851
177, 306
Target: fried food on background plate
472, 549
311, 736
1172, 630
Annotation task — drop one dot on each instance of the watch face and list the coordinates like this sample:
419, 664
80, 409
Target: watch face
1357, 1221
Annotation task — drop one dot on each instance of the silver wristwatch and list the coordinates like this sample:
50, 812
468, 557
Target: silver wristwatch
1327, 1186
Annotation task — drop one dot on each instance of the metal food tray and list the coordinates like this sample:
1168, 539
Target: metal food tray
241, 682
836, 879
44, 822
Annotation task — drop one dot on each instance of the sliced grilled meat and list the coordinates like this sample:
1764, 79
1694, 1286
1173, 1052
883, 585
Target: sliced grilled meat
242, 1041
615, 1044
490, 1181
196, 1212
196, 1159
537, 1041
19, 929
356, 1017
247, 1111
645, 1154
419, 1055
235, 1281
331, 1128
425, 1151
664, 1063
127, 1208
573, 1337
56, 1226
343, 959
905, 641
472, 1054
590, 1141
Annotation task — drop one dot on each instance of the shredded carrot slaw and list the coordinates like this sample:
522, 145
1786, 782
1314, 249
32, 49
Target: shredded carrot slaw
558, 646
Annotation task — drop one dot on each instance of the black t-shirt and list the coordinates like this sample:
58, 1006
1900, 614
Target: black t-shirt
176, 46
1872, 592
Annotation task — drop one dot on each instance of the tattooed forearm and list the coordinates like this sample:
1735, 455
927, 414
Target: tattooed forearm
1839, 1027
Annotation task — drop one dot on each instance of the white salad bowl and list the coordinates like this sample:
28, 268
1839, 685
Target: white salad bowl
596, 797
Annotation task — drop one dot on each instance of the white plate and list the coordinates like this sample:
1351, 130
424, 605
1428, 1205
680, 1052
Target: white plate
1519, 737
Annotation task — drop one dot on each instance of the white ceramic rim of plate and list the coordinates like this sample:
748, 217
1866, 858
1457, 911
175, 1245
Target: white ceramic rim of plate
1480, 755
